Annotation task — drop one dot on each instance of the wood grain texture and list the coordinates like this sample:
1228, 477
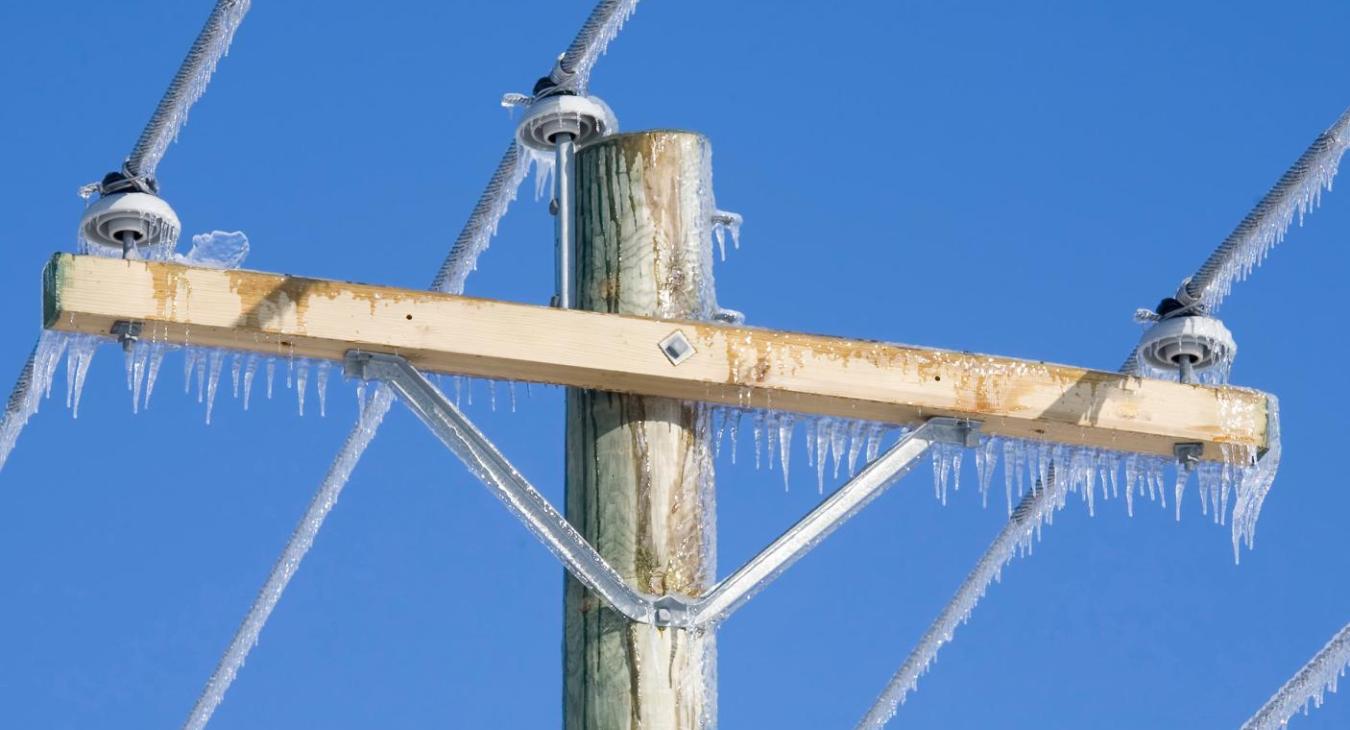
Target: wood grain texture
639, 468
285, 315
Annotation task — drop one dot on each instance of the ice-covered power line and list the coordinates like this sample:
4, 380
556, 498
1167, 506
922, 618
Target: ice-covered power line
1033, 511
487, 213
462, 260
187, 86
1184, 337
1298, 192
302, 538
1037, 508
601, 28
1306, 688
573, 70
34, 384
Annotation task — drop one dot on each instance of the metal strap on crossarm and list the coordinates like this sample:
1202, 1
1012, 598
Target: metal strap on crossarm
482, 458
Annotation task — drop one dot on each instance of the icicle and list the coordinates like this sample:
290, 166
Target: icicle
79, 354
873, 441
956, 456
157, 352
271, 374
719, 428
1087, 472
1009, 468
301, 379
812, 426
758, 423
735, 417
322, 385
986, 459
855, 444
822, 450
217, 358
250, 370
201, 376
946, 458
236, 365
1183, 474
136, 365
838, 444
190, 357
786, 424
771, 436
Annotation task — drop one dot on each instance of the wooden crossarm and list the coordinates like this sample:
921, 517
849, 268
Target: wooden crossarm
740, 366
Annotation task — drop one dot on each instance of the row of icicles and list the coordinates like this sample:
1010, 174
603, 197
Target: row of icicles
835, 447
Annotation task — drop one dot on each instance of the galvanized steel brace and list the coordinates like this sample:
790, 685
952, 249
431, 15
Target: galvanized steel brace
462, 437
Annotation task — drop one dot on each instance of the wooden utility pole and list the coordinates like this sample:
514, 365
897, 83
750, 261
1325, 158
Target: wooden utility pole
639, 471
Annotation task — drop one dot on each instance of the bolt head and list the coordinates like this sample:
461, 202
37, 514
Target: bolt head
676, 347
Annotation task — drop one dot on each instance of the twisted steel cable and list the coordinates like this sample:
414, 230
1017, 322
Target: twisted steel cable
1308, 686
1030, 512
573, 70
1298, 191
187, 86
482, 224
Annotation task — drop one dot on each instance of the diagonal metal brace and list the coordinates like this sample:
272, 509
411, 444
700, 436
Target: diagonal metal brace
733, 591
482, 458
487, 463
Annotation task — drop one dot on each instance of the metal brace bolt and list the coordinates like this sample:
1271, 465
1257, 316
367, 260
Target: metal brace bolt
1188, 454
127, 333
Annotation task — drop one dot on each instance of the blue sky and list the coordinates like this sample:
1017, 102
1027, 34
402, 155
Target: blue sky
972, 175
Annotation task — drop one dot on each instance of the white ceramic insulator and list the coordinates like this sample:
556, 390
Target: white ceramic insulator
147, 217
586, 118
1203, 339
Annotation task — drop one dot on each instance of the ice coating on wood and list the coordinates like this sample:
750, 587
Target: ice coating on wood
1254, 483
284, 569
639, 467
1308, 687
